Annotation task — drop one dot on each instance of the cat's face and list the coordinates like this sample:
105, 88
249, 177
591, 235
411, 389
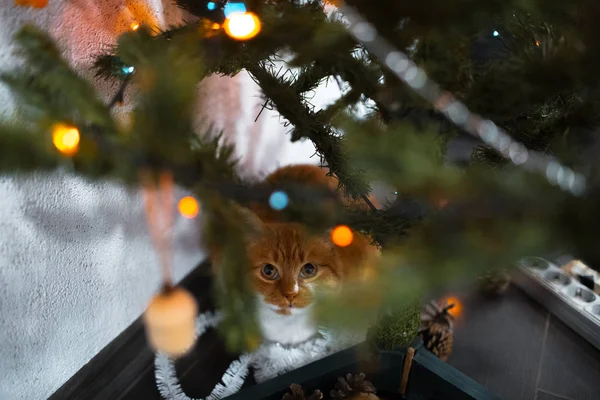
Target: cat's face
287, 266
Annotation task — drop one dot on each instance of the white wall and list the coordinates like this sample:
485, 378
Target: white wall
76, 263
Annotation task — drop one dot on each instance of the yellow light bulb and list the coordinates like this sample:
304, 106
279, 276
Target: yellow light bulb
242, 25
135, 26
65, 138
188, 207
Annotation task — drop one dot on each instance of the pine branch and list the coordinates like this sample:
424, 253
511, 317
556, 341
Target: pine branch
307, 124
47, 87
22, 151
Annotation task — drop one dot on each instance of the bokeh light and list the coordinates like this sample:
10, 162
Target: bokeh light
278, 200
233, 7
342, 236
455, 311
242, 26
65, 138
188, 207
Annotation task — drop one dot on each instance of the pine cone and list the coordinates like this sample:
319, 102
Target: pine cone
298, 394
354, 387
438, 339
436, 330
494, 283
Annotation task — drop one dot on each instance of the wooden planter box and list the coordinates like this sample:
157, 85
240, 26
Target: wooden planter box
429, 378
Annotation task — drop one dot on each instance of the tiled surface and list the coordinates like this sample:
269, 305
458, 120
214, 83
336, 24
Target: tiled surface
499, 343
570, 366
515, 348
541, 395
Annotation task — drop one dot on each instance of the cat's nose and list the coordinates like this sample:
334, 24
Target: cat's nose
290, 296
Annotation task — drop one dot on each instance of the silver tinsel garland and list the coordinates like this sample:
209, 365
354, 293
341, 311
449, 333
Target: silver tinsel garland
268, 361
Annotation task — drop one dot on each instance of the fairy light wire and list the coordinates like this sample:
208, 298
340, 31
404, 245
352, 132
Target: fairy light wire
455, 111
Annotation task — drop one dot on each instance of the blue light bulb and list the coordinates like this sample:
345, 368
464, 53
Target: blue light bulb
128, 70
211, 5
278, 200
496, 33
234, 7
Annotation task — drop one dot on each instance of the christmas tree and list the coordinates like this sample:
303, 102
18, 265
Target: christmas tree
519, 77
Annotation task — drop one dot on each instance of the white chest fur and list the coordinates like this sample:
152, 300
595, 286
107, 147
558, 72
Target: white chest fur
285, 329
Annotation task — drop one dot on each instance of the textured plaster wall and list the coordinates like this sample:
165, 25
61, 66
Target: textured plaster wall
76, 264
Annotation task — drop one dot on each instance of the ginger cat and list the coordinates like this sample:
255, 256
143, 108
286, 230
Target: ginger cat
288, 265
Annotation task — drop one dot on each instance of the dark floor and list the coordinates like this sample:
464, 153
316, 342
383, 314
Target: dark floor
510, 345
513, 347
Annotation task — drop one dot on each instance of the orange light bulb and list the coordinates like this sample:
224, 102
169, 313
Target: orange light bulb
65, 138
342, 236
135, 26
188, 207
457, 310
242, 25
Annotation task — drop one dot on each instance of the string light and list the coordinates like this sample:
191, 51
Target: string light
211, 5
342, 236
135, 26
65, 138
188, 207
242, 26
234, 7
455, 311
128, 70
278, 200
455, 111
496, 33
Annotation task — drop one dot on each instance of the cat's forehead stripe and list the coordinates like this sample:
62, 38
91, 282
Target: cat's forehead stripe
289, 248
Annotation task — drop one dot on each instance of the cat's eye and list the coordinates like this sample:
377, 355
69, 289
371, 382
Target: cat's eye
308, 270
269, 271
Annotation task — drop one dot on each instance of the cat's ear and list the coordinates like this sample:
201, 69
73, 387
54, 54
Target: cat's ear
253, 224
